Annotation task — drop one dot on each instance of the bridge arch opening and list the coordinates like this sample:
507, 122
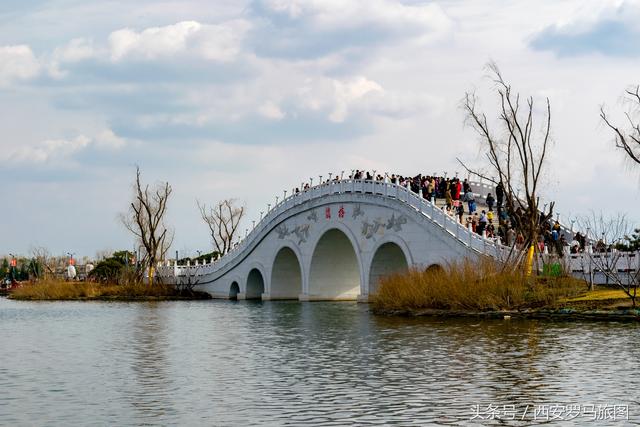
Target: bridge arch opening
255, 285
286, 275
335, 271
234, 290
388, 259
434, 268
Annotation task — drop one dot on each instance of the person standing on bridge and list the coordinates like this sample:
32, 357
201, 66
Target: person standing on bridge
500, 194
460, 211
482, 222
468, 197
448, 198
490, 201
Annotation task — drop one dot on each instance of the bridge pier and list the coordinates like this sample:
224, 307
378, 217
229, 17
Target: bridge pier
241, 295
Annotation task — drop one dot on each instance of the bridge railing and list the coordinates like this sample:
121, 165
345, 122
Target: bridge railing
425, 207
387, 189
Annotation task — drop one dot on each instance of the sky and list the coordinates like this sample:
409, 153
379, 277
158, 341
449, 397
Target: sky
246, 99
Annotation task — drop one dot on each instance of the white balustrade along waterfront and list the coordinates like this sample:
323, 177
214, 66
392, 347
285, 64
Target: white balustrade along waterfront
334, 241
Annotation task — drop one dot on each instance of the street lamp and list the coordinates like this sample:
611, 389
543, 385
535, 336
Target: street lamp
341, 175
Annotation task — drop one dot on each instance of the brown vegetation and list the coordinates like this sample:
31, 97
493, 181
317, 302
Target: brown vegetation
61, 290
473, 286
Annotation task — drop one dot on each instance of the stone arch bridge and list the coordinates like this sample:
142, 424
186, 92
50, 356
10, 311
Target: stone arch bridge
334, 241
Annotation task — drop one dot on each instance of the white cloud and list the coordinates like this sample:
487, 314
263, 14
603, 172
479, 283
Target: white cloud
61, 149
17, 63
217, 42
76, 50
341, 14
340, 98
271, 110
108, 139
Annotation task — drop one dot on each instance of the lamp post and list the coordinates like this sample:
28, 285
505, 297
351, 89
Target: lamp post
330, 176
341, 175
261, 213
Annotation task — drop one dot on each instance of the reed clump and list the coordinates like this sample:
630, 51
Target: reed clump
62, 290
473, 286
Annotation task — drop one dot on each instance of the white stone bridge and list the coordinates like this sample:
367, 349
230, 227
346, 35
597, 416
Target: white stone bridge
334, 241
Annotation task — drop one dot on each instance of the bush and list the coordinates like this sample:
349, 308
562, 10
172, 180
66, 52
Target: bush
107, 271
472, 286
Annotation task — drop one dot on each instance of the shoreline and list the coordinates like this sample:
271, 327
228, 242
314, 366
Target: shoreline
197, 296
568, 314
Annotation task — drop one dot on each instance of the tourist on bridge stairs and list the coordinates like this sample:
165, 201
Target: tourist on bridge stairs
448, 198
470, 200
490, 201
500, 194
466, 187
458, 189
482, 223
460, 211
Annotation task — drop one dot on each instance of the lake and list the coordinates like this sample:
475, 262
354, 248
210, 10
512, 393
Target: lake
289, 363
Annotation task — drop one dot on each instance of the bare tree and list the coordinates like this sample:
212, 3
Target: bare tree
145, 219
627, 139
187, 281
223, 220
516, 152
43, 257
620, 268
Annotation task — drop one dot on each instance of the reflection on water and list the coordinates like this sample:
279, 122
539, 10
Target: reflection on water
278, 363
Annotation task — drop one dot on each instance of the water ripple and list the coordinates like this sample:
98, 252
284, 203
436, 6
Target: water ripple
289, 363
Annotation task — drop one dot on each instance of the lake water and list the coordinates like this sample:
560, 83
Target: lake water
289, 363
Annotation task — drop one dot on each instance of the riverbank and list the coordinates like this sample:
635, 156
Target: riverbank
600, 304
89, 291
483, 290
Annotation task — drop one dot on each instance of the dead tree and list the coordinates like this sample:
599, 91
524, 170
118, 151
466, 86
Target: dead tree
43, 258
223, 220
187, 281
627, 139
620, 268
145, 219
516, 150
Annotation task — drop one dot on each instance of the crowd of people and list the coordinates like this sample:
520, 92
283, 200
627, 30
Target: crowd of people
458, 200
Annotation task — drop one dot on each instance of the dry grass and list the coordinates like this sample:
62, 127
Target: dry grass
60, 290
600, 295
472, 286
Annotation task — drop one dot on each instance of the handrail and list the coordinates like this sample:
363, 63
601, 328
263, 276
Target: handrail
384, 188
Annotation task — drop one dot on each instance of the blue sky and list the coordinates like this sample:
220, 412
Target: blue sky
247, 98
